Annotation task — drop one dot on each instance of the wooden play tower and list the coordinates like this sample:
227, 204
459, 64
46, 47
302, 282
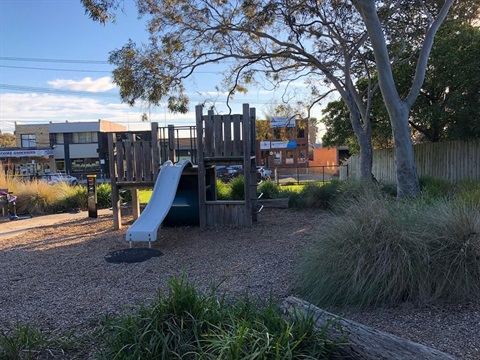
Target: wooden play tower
135, 163
227, 140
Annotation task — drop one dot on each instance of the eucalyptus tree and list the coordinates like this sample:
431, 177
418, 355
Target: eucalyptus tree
328, 44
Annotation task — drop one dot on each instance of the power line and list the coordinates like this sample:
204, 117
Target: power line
54, 91
52, 69
66, 61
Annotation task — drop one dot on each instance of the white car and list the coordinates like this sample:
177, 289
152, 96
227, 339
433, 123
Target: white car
60, 177
265, 173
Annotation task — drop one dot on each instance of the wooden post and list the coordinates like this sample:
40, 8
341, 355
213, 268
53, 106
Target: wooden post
201, 168
247, 166
117, 216
171, 144
155, 151
253, 163
135, 204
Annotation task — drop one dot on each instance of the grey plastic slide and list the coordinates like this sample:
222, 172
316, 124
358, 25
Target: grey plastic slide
146, 226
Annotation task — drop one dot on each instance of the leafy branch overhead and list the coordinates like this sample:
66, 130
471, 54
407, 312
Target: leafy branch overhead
325, 44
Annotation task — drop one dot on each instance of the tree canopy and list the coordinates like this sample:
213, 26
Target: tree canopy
447, 107
7, 140
327, 44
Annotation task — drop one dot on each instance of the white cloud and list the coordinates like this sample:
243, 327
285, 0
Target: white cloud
45, 108
86, 84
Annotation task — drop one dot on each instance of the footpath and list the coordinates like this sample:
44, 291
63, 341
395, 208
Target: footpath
10, 228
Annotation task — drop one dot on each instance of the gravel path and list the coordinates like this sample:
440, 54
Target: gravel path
56, 277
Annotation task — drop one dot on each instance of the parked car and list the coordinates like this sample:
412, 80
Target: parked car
265, 173
228, 173
60, 177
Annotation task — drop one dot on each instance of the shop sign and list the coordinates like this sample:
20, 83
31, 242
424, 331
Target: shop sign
292, 144
280, 121
25, 153
264, 145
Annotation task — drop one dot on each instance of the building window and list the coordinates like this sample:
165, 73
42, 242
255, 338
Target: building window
85, 138
300, 133
28, 140
59, 138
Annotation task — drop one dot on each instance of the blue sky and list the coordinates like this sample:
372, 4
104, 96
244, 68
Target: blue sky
53, 67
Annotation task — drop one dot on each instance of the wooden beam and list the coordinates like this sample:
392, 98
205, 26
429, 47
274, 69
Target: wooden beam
363, 342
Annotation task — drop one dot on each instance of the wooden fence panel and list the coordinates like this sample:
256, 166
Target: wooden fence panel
453, 161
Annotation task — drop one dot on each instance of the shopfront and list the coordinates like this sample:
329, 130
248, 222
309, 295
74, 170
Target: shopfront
26, 162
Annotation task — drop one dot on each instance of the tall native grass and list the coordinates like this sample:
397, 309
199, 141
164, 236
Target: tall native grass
378, 250
188, 324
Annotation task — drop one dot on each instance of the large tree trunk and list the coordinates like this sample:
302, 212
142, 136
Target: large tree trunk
366, 156
363, 133
362, 342
406, 171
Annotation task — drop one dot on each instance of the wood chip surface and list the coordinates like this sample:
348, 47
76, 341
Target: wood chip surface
56, 277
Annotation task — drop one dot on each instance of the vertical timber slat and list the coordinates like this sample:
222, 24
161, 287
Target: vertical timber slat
117, 223
201, 167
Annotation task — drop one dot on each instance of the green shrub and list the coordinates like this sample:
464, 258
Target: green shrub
269, 189
469, 192
186, 324
452, 231
104, 196
25, 342
237, 186
315, 195
223, 190
38, 197
435, 188
383, 251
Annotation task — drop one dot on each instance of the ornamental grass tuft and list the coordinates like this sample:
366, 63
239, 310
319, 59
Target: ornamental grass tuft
381, 251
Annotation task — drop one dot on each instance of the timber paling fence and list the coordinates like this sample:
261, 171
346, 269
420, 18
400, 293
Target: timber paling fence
453, 161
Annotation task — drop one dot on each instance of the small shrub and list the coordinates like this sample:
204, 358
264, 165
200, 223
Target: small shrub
452, 231
188, 324
23, 343
269, 189
315, 195
237, 186
468, 192
38, 197
223, 190
435, 188
104, 196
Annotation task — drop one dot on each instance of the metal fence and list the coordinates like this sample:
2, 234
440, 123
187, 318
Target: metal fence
301, 175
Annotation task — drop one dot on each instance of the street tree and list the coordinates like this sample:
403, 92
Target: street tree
7, 140
327, 44
447, 107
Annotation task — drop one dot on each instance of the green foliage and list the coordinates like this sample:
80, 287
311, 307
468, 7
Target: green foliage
188, 324
223, 190
269, 189
25, 342
469, 192
435, 188
104, 195
237, 186
382, 251
38, 197
315, 195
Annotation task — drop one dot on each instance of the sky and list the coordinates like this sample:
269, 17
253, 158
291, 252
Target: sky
54, 67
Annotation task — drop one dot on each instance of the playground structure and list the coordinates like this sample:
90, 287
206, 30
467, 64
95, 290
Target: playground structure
184, 192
